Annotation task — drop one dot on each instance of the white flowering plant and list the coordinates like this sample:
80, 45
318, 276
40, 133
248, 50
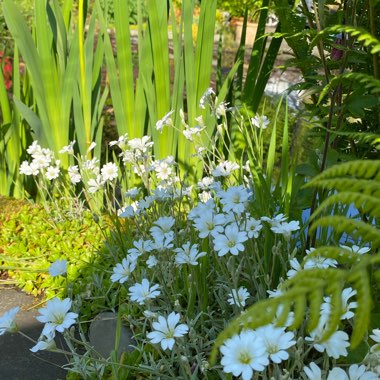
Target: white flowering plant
184, 259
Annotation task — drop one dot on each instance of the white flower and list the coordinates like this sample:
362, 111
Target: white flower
132, 193
52, 172
276, 342
253, 227
91, 147
260, 121
142, 292
68, 148
7, 321
45, 342
346, 306
163, 242
165, 121
163, 226
296, 267
56, 315
95, 184
34, 148
318, 261
276, 220
335, 346
189, 133
163, 170
375, 335
231, 241
238, 297
355, 372
120, 142
122, 271
188, 254
27, 169
74, 175
209, 223
109, 171
58, 268
356, 249
140, 247
243, 354
205, 97
234, 199
166, 330
224, 169
314, 372
141, 146
152, 261
286, 228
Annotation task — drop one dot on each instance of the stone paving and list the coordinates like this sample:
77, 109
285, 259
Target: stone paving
17, 361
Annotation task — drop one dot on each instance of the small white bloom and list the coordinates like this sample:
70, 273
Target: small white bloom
230, 241
234, 199
165, 121
356, 249
95, 184
314, 372
56, 315
260, 122
276, 342
224, 169
275, 221
163, 226
142, 292
206, 97
58, 268
122, 271
166, 330
318, 261
243, 354
141, 146
7, 321
253, 227
238, 297
74, 175
152, 261
52, 172
109, 171
91, 147
26, 169
286, 228
132, 193
296, 267
141, 246
68, 148
34, 148
347, 313
355, 372
188, 254
335, 346
209, 223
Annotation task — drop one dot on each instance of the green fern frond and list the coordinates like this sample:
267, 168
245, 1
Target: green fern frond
361, 282
355, 228
364, 203
362, 35
315, 302
366, 81
362, 186
363, 169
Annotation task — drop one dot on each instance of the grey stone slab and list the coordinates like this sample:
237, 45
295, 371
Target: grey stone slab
17, 361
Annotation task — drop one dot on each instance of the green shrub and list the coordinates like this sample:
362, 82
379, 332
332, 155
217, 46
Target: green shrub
31, 241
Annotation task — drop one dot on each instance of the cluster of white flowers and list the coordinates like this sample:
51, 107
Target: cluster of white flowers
253, 350
43, 162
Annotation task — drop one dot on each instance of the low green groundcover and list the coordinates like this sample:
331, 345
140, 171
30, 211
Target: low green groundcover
31, 240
